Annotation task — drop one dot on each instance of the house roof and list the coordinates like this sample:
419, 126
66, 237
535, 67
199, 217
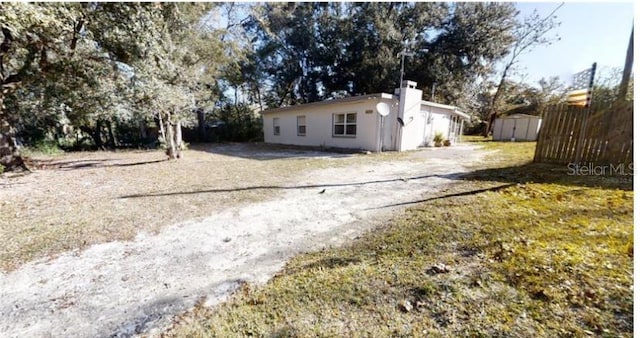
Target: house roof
438, 105
453, 109
350, 99
353, 99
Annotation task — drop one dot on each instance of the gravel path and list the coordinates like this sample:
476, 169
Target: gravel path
128, 288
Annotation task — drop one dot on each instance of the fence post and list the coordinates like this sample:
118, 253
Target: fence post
583, 127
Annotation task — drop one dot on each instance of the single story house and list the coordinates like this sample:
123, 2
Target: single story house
374, 122
517, 127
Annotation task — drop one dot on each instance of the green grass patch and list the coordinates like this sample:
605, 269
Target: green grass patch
547, 255
475, 138
42, 148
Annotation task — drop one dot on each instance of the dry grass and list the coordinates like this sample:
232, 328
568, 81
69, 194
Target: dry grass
544, 254
75, 200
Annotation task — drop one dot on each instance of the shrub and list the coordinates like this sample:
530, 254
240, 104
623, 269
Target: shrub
42, 147
47, 147
437, 139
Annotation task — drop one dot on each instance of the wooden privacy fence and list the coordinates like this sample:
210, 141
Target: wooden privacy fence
602, 134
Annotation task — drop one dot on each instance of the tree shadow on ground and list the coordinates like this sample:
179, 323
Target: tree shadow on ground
324, 186
83, 164
457, 194
613, 177
501, 178
266, 151
154, 311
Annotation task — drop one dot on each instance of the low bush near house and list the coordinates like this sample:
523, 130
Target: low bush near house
438, 139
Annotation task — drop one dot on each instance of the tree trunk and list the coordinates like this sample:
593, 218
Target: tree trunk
10, 158
259, 97
163, 135
178, 139
492, 111
142, 130
202, 133
97, 135
170, 140
112, 137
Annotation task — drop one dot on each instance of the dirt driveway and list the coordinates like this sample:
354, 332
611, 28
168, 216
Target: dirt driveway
123, 288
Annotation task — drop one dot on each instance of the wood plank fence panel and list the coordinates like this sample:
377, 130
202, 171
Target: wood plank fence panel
602, 134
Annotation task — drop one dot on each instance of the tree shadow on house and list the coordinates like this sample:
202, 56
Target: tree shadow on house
265, 151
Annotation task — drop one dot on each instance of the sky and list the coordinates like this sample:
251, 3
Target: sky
589, 32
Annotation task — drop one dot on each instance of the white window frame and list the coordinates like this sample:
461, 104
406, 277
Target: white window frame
345, 124
276, 126
303, 125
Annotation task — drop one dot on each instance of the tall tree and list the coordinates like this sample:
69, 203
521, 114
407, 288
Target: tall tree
287, 50
38, 41
472, 38
374, 34
606, 85
531, 32
95, 64
314, 51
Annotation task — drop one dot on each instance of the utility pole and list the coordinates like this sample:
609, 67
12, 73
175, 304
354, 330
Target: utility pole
626, 73
403, 54
433, 91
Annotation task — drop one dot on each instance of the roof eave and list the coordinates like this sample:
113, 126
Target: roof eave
453, 109
350, 99
465, 116
438, 105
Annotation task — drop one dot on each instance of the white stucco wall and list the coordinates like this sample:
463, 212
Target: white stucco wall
412, 134
319, 125
438, 120
421, 119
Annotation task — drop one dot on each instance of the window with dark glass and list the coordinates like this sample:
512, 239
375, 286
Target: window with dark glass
302, 125
344, 124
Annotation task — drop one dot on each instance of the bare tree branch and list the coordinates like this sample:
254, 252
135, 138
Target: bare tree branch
528, 34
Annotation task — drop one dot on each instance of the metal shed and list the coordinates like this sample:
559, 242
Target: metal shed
517, 127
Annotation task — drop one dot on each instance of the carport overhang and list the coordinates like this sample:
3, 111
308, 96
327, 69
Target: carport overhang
464, 116
452, 109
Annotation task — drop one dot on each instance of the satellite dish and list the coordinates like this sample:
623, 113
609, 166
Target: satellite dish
382, 108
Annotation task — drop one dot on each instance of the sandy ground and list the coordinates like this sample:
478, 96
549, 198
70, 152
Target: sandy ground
137, 287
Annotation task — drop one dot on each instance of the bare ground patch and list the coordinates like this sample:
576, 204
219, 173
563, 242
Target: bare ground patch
75, 200
513, 250
224, 221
